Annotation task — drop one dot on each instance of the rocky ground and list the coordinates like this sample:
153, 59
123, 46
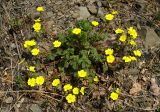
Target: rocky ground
139, 84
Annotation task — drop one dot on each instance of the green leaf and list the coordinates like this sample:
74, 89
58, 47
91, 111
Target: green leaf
105, 68
84, 25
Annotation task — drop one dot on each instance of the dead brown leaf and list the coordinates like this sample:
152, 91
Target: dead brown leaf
136, 88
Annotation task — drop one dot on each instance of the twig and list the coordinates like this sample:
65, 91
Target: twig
30, 91
14, 35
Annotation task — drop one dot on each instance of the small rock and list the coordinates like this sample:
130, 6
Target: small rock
9, 100
92, 9
136, 88
100, 12
75, 15
13, 45
152, 38
84, 14
133, 71
49, 14
104, 3
58, 2
35, 108
154, 87
99, 3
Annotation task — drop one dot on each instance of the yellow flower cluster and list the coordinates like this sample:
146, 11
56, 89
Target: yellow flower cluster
132, 58
32, 69
114, 12
115, 95
56, 82
75, 90
96, 79
119, 31
123, 38
35, 51
109, 51
95, 23
71, 98
109, 17
76, 31
129, 58
57, 43
67, 87
82, 73
38, 80
132, 32
132, 42
40, 9
110, 58
137, 53
37, 24
29, 43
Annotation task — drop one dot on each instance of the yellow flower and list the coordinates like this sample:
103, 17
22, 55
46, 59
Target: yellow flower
31, 82
67, 87
96, 79
132, 42
109, 51
117, 91
126, 59
40, 80
114, 12
95, 23
82, 90
76, 31
137, 53
109, 17
75, 90
40, 9
82, 73
57, 43
132, 32
55, 82
114, 96
123, 38
71, 98
32, 69
119, 31
37, 20
110, 58
29, 43
37, 27
133, 58
35, 51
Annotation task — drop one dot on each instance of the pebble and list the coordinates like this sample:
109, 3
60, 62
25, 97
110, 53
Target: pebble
9, 100
84, 14
35, 108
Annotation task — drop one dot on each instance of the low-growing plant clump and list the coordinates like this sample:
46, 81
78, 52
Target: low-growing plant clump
80, 55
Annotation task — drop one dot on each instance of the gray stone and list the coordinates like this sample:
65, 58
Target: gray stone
84, 14
133, 71
152, 38
9, 100
104, 3
50, 14
35, 108
92, 9
100, 12
13, 45
99, 3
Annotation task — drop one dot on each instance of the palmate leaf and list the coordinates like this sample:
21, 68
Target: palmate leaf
84, 25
